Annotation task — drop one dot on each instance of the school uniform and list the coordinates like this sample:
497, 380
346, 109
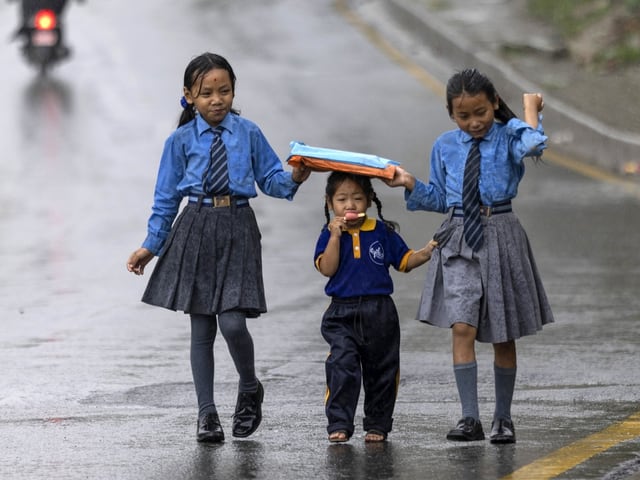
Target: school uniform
496, 289
362, 327
210, 257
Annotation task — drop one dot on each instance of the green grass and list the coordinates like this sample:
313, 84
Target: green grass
571, 17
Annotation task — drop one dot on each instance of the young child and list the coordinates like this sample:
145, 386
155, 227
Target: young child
361, 324
210, 259
483, 282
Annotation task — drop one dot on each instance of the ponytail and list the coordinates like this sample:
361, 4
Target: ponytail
188, 112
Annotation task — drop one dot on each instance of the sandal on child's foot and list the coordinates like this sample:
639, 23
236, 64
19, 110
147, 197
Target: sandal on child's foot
339, 436
375, 436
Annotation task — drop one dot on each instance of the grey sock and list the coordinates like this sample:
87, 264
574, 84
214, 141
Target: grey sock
467, 381
505, 380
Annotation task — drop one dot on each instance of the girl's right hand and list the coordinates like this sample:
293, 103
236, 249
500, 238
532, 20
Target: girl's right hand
336, 226
401, 178
138, 259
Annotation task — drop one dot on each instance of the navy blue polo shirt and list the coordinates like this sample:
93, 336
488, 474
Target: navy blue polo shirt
365, 256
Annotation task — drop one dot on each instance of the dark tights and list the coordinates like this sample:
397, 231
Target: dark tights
233, 326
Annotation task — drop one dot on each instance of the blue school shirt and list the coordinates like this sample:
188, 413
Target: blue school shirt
502, 151
365, 256
186, 157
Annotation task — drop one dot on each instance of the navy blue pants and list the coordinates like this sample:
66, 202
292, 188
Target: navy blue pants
364, 336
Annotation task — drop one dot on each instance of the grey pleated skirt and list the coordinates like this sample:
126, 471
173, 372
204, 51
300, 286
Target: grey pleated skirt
498, 289
211, 263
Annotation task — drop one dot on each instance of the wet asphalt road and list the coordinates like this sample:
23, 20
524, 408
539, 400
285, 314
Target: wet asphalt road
96, 385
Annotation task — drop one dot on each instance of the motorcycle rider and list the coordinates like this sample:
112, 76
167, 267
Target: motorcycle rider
28, 8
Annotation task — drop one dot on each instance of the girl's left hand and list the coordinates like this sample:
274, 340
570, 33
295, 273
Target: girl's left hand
533, 101
300, 174
401, 178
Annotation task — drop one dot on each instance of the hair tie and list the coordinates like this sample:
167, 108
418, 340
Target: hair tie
184, 103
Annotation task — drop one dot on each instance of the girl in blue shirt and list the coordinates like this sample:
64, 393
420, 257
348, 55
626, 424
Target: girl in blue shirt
492, 292
361, 324
209, 261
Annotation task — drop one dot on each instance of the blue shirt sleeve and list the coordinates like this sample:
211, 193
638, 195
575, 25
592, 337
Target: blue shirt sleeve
525, 141
185, 158
501, 167
167, 196
431, 196
398, 248
267, 169
321, 244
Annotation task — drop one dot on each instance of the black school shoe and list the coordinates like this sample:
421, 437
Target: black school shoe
248, 414
502, 431
209, 429
468, 429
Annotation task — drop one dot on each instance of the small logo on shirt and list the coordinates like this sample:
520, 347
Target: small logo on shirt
376, 253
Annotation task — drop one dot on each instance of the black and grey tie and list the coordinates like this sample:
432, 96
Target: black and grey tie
215, 180
471, 198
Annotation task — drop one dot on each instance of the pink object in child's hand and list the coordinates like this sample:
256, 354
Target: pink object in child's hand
353, 215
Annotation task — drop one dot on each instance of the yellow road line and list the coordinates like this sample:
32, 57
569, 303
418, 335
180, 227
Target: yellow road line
426, 79
628, 186
437, 87
578, 452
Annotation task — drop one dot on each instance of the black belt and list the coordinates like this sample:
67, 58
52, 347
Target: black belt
219, 201
485, 210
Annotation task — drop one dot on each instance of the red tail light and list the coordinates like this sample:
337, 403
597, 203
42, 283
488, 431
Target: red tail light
45, 20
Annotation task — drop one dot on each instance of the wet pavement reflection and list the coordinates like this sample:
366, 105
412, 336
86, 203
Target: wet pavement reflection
96, 385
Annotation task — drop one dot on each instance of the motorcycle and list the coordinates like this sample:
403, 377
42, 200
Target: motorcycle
43, 45
42, 32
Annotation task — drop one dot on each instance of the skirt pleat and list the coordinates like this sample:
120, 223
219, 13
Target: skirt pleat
498, 290
211, 263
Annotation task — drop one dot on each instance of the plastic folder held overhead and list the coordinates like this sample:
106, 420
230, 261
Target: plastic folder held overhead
326, 159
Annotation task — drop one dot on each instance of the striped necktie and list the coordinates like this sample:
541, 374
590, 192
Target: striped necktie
471, 198
216, 178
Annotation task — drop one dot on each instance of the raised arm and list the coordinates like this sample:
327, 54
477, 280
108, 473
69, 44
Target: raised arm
533, 105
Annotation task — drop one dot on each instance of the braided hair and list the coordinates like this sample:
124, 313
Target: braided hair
335, 179
471, 82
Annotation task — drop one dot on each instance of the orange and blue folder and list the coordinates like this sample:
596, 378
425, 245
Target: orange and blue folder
326, 159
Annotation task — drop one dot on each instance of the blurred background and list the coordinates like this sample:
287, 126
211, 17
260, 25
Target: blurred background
94, 384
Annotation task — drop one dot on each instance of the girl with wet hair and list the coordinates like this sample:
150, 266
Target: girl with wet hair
361, 324
483, 283
209, 260
471, 82
194, 74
